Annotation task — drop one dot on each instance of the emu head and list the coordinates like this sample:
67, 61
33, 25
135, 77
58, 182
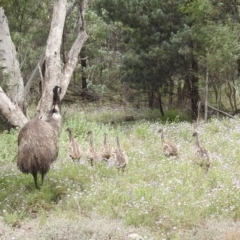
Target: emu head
56, 100
195, 134
68, 130
89, 132
160, 131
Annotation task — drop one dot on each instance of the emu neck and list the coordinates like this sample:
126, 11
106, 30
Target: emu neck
105, 140
91, 140
70, 135
162, 138
118, 144
197, 141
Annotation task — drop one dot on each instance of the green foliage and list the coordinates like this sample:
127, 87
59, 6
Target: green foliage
222, 37
29, 23
99, 88
8, 140
97, 28
198, 11
12, 219
175, 115
145, 44
102, 71
146, 32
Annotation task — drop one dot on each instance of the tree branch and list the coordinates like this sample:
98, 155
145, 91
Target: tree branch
71, 7
52, 56
7, 108
33, 75
224, 113
72, 61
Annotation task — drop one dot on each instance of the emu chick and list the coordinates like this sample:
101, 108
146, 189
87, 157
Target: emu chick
94, 155
74, 148
202, 154
106, 149
119, 157
169, 147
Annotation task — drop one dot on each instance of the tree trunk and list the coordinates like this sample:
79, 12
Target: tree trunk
206, 96
171, 88
193, 89
54, 74
229, 93
12, 81
72, 61
52, 57
154, 98
75, 50
179, 93
160, 103
215, 89
83, 61
219, 99
234, 95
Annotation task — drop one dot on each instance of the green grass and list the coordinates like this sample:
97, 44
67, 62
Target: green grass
157, 196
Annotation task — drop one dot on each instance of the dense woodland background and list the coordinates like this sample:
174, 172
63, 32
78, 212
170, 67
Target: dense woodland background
161, 54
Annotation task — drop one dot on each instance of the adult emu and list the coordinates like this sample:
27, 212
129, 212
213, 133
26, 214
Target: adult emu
38, 141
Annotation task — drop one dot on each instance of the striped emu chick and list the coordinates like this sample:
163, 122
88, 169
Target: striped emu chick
38, 141
202, 154
94, 155
106, 149
74, 149
169, 147
119, 157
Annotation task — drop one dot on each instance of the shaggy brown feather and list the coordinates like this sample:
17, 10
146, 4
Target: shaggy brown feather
38, 144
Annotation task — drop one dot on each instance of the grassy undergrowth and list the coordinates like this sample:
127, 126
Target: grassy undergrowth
165, 198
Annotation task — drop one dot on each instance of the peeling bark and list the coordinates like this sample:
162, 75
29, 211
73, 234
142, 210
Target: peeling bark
14, 114
72, 61
52, 56
12, 81
75, 49
54, 73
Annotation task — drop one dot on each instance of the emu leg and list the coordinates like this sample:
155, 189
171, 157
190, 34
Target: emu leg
35, 180
43, 175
